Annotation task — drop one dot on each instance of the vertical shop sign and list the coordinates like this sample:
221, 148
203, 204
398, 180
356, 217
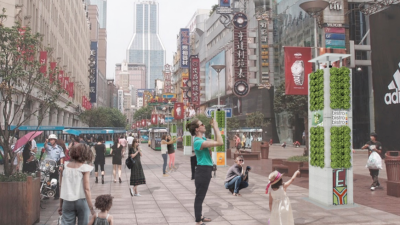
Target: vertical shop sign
185, 51
93, 71
179, 111
297, 69
241, 86
167, 79
185, 79
264, 53
195, 79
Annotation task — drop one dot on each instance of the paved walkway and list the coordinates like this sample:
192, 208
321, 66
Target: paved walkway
169, 200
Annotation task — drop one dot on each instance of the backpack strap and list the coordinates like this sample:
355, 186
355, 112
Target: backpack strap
107, 216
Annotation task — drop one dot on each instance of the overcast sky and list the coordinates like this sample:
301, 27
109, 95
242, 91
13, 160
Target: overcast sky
174, 14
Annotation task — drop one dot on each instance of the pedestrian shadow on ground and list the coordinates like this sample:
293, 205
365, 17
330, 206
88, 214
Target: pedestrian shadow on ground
151, 190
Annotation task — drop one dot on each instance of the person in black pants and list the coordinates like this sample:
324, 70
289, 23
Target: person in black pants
193, 164
204, 163
100, 159
374, 145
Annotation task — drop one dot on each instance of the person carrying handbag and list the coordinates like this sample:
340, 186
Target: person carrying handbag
137, 174
374, 146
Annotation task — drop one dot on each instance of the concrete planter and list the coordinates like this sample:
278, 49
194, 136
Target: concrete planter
292, 167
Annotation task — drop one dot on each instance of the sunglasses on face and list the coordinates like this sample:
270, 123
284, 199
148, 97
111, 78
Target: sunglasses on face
240, 160
201, 125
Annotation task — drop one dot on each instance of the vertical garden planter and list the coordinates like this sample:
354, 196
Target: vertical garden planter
330, 129
219, 153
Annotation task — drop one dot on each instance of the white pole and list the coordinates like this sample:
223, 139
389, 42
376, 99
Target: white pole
219, 94
315, 37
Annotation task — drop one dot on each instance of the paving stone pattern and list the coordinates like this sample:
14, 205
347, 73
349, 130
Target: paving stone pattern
169, 200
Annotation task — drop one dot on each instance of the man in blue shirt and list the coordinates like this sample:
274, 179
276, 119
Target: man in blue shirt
56, 153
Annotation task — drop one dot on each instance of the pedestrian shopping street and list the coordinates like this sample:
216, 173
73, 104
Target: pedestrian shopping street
169, 200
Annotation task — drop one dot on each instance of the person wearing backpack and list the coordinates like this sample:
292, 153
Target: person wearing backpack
374, 146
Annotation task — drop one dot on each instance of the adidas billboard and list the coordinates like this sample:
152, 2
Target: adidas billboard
385, 57
394, 86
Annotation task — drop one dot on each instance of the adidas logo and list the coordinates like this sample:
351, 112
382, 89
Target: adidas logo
393, 98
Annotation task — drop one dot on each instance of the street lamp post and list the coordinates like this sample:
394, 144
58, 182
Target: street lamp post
218, 69
314, 9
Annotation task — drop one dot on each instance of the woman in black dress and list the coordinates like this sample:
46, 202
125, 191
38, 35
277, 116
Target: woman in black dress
137, 174
28, 166
116, 152
100, 160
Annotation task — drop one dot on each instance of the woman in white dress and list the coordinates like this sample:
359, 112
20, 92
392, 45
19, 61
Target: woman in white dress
279, 203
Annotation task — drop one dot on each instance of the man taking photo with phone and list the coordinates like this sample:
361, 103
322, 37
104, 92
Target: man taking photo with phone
237, 176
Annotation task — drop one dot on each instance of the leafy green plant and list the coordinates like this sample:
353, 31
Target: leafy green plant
16, 177
340, 147
317, 144
221, 148
173, 128
340, 88
188, 140
317, 90
298, 159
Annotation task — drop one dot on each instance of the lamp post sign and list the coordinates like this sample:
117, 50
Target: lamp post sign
241, 86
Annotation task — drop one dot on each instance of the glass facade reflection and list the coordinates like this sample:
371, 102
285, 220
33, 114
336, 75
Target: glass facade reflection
146, 46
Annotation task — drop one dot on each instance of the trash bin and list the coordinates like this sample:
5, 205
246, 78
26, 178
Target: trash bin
392, 162
264, 150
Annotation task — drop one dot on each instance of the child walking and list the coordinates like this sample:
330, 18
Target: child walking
279, 203
104, 203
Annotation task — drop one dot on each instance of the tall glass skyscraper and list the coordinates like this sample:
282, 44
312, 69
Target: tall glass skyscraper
146, 46
102, 6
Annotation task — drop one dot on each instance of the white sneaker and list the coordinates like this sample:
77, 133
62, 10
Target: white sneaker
372, 188
138, 195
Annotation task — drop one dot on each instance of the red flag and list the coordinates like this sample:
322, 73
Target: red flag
154, 119
297, 69
61, 78
179, 112
53, 66
66, 84
71, 89
43, 62
143, 122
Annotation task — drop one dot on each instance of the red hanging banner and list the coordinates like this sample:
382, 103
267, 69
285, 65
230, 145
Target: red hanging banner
52, 73
66, 84
143, 122
137, 124
43, 62
195, 79
61, 78
154, 119
179, 112
297, 69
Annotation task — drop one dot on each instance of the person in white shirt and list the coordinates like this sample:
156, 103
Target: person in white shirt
130, 140
34, 146
76, 199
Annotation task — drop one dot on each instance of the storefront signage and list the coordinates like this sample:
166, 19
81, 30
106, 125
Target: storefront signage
335, 25
241, 87
93, 71
335, 5
195, 80
167, 79
339, 118
185, 48
297, 69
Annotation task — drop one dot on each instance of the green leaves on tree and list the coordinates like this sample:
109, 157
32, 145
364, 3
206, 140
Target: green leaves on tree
317, 144
340, 147
340, 88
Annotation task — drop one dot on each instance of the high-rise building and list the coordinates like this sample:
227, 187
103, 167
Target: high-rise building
146, 46
102, 6
128, 75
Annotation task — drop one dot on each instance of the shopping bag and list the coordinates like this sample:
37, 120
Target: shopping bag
374, 161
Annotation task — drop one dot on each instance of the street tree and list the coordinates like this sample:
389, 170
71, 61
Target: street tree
232, 123
293, 105
103, 117
143, 113
255, 119
22, 84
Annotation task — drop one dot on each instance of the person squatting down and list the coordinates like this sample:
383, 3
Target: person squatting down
237, 177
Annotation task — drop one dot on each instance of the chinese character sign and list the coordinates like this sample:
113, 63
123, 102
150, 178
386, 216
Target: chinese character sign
297, 69
195, 79
167, 79
185, 51
93, 71
241, 86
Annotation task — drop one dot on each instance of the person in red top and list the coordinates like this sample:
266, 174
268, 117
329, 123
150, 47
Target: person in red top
237, 143
124, 143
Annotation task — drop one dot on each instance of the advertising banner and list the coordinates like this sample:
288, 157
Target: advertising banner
212, 79
297, 69
61, 78
179, 112
167, 79
133, 126
53, 66
154, 119
185, 48
195, 79
241, 87
138, 124
43, 62
143, 122
93, 71
385, 45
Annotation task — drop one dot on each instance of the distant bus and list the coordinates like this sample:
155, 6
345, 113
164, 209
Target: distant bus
155, 135
143, 135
